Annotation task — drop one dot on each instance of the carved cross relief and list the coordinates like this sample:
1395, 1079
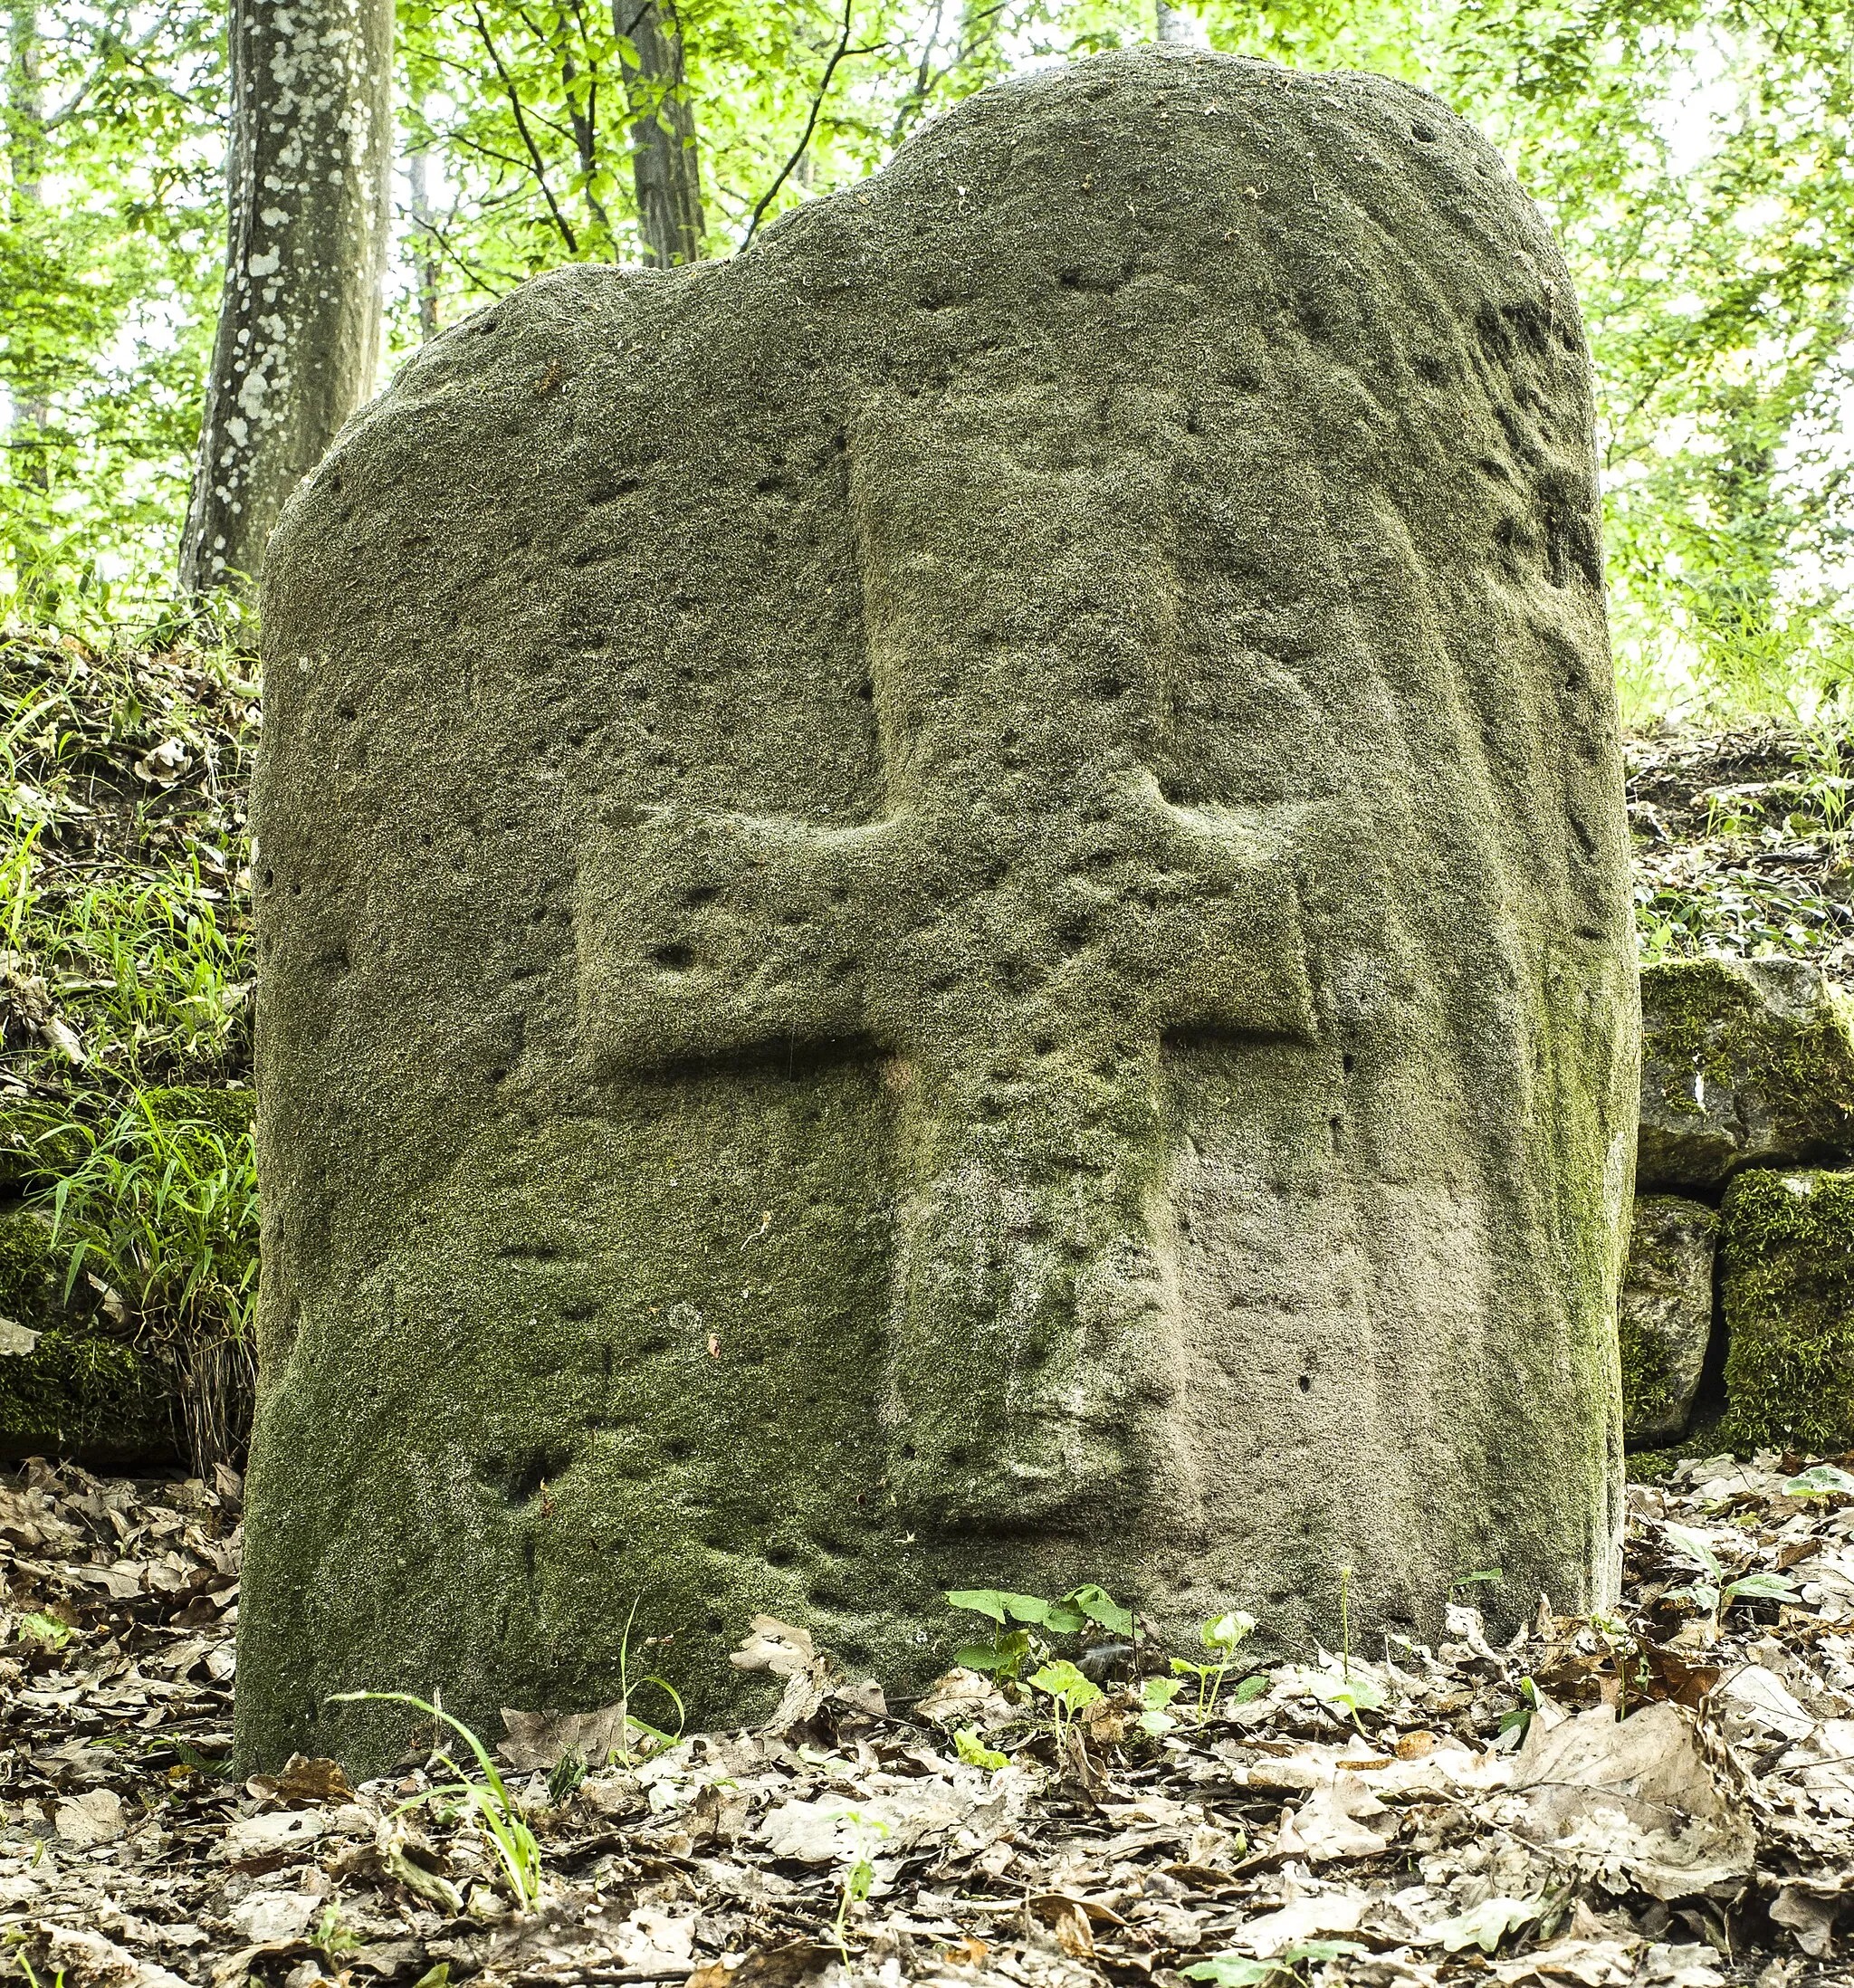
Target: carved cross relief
1018, 930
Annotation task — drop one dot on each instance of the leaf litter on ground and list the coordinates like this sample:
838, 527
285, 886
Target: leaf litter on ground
1399, 1818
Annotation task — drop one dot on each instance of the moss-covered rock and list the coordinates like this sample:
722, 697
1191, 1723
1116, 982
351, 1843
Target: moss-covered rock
1787, 1246
972, 928
37, 1138
1665, 1315
1744, 1063
69, 1385
229, 1114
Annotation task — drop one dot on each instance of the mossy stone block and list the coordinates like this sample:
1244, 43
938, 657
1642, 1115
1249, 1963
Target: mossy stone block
1665, 1315
227, 1113
37, 1138
1787, 1251
1744, 1063
948, 906
68, 1386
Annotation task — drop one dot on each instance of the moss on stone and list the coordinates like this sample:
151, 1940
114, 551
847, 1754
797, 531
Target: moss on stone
36, 1139
1788, 1243
81, 1389
228, 1114
1744, 1061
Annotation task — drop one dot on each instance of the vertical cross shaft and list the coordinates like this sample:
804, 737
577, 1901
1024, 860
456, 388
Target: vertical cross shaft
1019, 931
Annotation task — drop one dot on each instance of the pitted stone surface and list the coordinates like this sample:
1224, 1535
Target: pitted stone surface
1665, 1315
946, 906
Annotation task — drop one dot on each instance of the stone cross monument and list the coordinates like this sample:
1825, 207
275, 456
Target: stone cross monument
946, 906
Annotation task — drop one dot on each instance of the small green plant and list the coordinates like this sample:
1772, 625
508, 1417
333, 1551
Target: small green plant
974, 1752
330, 1935
1012, 1647
1819, 1481
489, 1798
1519, 1719
659, 1739
1067, 1690
1283, 1971
1346, 1693
565, 1775
1711, 1592
1491, 1577
1222, 1634
1156, 1695
859, 1874
47, 1629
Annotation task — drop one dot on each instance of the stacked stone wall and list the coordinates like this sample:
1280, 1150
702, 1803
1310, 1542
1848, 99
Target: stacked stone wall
1737, 1312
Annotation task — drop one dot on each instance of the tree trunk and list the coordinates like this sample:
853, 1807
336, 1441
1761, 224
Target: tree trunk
29, 414
662, 132
425, 260
300, 321
1176, 26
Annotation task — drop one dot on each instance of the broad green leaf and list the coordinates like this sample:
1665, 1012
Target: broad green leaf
1696, 1548
1224, 1632
1026, 1608
1232, 1971
978, 1656
1819, 1481
1099, 1606
974, 1752
1062, 1681
1762, 1587
985, 1601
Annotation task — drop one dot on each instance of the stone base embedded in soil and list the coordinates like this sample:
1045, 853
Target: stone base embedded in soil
1743, 1063
1472, 1813
1787, 1246
1665, 1317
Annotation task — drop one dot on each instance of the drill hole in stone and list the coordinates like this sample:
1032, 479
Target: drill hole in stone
1306, 1383
676, 957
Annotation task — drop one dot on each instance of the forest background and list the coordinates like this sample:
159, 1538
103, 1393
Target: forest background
1692, 156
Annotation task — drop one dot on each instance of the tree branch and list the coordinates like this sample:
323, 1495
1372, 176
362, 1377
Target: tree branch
842, 52
546, 192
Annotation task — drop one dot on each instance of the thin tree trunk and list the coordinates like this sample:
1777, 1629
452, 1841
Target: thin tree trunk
1175, 24
425, 260
300, 321
29, 411
662, 132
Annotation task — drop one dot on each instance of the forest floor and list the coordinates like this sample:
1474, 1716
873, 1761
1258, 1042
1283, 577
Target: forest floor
1398, 1818
1472, 1812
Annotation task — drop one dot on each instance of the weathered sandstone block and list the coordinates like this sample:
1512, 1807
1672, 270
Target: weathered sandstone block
1786, 1245
947, 905
1665, 1315
1743, 1063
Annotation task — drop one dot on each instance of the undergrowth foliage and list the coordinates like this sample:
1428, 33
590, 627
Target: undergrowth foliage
127, 968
